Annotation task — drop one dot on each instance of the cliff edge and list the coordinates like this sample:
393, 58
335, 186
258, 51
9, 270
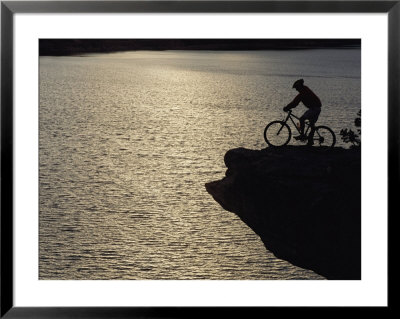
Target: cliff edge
304, 203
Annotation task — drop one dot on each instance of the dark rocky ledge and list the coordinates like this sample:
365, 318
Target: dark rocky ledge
304, 203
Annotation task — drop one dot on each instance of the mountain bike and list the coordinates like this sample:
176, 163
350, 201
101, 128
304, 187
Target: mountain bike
278, 133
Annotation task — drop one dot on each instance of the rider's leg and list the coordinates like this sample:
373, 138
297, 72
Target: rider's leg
313, 117
302, 124
302, 119
311, 135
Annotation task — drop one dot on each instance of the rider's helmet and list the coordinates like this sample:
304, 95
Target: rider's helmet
298, 84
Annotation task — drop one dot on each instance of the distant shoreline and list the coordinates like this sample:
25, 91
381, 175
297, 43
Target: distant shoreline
70, 47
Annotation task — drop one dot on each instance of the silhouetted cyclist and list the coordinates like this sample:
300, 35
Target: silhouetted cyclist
312, 102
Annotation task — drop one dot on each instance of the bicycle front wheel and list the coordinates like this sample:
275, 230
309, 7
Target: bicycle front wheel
324, 136
277, 133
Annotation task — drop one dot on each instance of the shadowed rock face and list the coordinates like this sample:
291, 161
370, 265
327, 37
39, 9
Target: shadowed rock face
304, 203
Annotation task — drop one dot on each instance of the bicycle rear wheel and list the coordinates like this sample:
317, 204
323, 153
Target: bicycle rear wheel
324, 136
277, 133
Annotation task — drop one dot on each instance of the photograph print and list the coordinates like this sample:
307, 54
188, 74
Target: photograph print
200, 159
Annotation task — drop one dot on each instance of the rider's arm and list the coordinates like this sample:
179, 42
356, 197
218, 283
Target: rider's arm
294, 103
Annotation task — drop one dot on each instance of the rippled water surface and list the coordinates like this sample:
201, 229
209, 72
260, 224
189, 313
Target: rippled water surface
128, 140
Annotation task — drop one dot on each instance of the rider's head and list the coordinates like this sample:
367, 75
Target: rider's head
298, 84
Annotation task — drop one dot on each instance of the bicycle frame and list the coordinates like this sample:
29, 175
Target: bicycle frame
291, 116
312, 132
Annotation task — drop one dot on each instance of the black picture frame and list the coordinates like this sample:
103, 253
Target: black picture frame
9, 8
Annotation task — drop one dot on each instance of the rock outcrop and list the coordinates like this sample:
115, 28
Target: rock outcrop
304, 203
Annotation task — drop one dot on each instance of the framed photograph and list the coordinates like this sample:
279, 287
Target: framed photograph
194, 158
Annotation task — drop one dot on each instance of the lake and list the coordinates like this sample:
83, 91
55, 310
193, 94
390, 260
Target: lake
128, 140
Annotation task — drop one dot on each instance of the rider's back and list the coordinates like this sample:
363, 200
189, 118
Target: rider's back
308, 98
